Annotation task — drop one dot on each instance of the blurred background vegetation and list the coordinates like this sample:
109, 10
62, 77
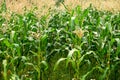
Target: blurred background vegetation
43, 5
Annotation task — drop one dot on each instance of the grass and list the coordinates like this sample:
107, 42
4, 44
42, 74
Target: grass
76, 44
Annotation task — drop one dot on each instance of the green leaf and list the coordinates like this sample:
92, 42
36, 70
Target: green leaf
45, 64
34, 53
7, 43
71, 54
58, 62
12, 35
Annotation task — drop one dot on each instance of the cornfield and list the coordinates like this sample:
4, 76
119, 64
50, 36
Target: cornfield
76, 44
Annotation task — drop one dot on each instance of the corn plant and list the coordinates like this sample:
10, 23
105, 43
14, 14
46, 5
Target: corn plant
61, 45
